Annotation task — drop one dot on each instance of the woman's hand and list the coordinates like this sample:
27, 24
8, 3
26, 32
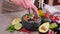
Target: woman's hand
26, 4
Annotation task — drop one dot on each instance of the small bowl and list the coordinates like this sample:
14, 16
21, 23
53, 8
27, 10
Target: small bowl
31, 26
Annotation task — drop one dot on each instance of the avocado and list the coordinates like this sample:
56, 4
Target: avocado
46, 20
53, 25
44, 27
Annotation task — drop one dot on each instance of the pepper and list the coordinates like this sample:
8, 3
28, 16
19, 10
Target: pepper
24, 30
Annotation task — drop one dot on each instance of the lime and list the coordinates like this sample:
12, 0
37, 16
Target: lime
18, 26
16, 20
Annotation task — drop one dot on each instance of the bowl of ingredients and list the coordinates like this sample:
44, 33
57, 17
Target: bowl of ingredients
31, 22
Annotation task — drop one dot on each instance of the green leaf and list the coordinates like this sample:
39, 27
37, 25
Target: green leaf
29, 15
11, 28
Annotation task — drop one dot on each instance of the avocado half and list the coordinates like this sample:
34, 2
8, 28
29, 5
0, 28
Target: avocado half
44, 27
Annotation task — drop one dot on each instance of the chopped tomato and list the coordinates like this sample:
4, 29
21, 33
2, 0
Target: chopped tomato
26, 18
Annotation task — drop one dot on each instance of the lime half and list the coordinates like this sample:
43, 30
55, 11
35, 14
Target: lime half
18, 26
16, 20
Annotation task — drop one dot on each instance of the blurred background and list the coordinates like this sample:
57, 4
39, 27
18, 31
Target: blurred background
7, 6
52, 2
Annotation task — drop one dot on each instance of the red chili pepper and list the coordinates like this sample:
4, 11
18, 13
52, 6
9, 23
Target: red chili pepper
23, 30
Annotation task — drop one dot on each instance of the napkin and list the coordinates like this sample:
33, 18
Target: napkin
51, 9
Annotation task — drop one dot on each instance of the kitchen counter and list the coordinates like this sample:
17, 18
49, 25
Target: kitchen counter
6, 19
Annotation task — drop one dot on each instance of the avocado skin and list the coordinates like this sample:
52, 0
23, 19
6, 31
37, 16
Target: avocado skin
45, 20
43, 33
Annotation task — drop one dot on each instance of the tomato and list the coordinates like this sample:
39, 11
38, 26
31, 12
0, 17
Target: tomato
51, 32
57, 17
52, 17
25, 18
46, 15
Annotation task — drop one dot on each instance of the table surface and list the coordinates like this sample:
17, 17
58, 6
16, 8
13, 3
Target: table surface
5, 21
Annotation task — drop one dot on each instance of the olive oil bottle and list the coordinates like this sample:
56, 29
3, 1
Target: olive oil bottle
40, 11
